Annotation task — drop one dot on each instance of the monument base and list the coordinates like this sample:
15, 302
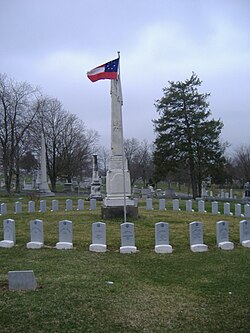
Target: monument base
46, 193
199, 248
226, 245
246, 243
109, 212
163, 249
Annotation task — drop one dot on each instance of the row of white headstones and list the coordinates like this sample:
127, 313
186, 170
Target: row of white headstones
127, 236
149, 206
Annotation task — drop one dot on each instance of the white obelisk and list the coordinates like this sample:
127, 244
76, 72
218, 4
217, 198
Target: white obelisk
43, 185
118, 185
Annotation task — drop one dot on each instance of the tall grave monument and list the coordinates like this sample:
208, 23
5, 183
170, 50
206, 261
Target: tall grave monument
43, 187
118, 200
95, 184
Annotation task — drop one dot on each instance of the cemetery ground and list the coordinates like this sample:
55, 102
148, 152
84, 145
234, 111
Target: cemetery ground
82, 291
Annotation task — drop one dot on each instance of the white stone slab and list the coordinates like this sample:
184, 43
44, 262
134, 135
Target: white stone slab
176, 205
9, 233
80, 204
162, 238
43, 206
245, 233
127, 238
238, 210
98, 237
201, 206
247, 211
31, 206
92, 204
222, 237
215, 210
149, 204
69, 205
54, 205
3, 208
22, 280
162, 204
65, 235
189, 206
227, 209
196, 237
36, 235
18, 207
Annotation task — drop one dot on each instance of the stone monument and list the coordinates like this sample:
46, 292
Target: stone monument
118, 200
95, 184
43, 187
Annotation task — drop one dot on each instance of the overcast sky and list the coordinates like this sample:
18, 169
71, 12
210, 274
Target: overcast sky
53, 43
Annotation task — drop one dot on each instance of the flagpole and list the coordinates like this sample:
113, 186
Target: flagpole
122, 140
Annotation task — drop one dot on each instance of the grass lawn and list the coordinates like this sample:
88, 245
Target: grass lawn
178, 292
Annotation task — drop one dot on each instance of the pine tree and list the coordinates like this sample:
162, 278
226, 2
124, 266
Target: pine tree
186, 137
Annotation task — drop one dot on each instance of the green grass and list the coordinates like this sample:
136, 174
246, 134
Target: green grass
178, 292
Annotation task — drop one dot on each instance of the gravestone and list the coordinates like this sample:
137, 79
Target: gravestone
65, 235
43, 206
31, 206
54, 205
149, 204
201, 206
36, 235
18, 207
92, 204
227, 209
9, 234
135, 202
247, 211
176, 205
162, 204
127, 238
245, 233
215, 208
189, 206
162, 238
196, 237
238, 210
98, 237
69, 204
3, 208
80, 204
222, 236
22, 280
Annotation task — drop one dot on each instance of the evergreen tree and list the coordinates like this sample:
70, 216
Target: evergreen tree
186, 137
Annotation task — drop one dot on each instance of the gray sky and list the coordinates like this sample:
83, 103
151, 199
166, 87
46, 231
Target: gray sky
53, 43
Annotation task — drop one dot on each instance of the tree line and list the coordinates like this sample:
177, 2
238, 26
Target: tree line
187, 145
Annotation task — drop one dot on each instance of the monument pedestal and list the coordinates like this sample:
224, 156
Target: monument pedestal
109, 212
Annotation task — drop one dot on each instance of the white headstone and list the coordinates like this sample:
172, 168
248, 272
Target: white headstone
54, 205
149, 204
196, 237
43, 207
98, 237
3, 208
227, 209
127, 238
162, 204
80, 204
22, 280
245, 233
36, 235
136, 202
176, 205
9, 233
65, 235
201, 206
92, 204
189, 206
18, 207
162, 238
215, 208
247, 211
222, 236
238, 210
69, 204
31, 206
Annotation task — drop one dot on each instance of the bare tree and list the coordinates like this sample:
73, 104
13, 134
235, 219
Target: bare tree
241, 162
18, 107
